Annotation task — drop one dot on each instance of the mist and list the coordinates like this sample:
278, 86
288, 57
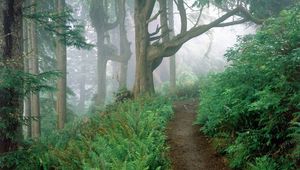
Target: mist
199, 56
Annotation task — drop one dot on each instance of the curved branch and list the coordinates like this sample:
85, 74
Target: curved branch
169, 48
182, 13
232, 23
149, 8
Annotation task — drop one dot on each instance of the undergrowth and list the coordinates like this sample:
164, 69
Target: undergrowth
129, 136
252, 109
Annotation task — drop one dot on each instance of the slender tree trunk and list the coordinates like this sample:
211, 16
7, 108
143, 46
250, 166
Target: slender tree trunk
35, 97
61, 102
124, 45
81, 105
27, 100
101, 67
172, 58
11, 55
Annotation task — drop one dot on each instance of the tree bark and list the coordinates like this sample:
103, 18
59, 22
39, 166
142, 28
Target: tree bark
81, 104
99, 17
101, 67
125, 52
61, 102
27, 100
151, 53
35, 97
144, 79
172, 58
11, 57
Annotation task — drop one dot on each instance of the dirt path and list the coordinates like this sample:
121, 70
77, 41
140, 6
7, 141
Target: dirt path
189, 149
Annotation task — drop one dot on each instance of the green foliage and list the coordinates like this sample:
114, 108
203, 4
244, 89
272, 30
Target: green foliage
21, 84
131, 136
187, 85
259, 8
263, 163
254, 104
51, 21
122, 95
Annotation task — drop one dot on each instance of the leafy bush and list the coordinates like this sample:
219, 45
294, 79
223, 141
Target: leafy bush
254, 104
187, 85
129, 137
263, 163
123, 95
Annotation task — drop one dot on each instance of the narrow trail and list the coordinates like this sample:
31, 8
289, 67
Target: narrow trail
190, 149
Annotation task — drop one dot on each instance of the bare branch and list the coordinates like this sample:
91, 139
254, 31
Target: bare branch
109, 26
169, 48
247, 15
154, 17
156, 31
199, 16
164, 21
232, 23
149, 8
182, 13
155, 38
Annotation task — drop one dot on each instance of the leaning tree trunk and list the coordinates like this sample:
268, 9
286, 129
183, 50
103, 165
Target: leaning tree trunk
11, 58
61, 54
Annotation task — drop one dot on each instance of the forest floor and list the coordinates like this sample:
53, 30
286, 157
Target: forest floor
189, 148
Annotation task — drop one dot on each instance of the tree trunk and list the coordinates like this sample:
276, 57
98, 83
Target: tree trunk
143, 75
35, 97
150, 50
98, 15
61, 102
172, 58
27, 100
81, 104
124, 45
101, 67
11, 55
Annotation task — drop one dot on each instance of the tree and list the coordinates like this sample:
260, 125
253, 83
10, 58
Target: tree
172, 58
34, 68
100, 22
99, 13
125, 52
27, 100
151, 48
61, 54
11, 90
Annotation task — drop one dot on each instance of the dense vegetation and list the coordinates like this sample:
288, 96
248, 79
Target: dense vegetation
59, 58
252, 108
128, 135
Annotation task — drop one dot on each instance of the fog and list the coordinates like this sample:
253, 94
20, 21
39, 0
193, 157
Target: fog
199, 56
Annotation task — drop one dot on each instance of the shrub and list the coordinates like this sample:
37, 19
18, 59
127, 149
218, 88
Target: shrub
129, 137
254, 103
